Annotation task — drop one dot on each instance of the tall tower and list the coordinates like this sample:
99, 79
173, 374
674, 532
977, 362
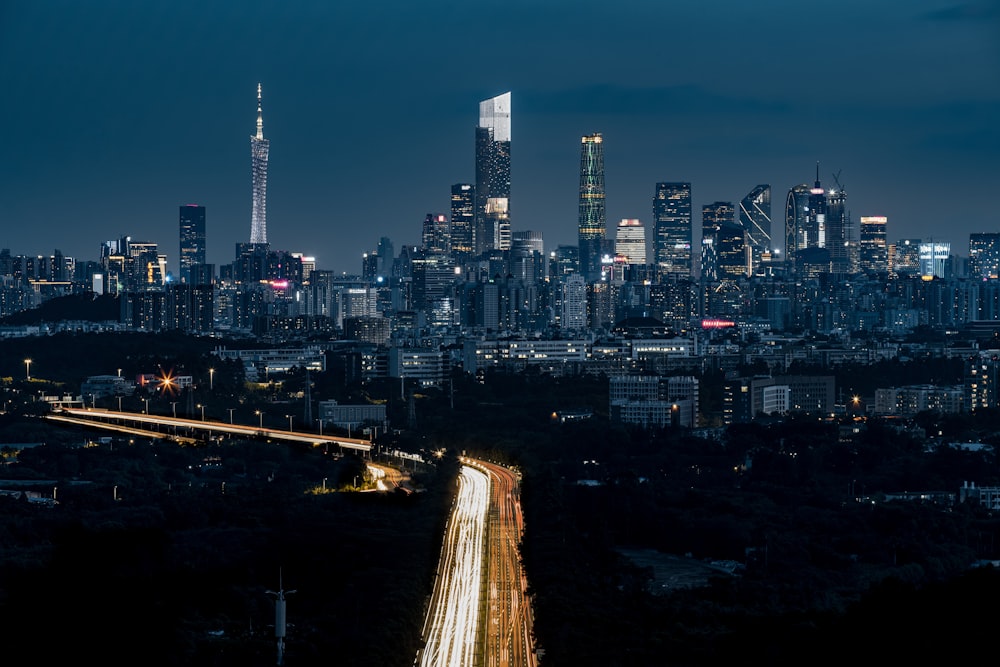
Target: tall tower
630, 242
815, 231
259, 147
493, 174
838, 232
592, 227
796, 212
672, 228
463, 219
192, 239
713, 217
755, 218
874, 252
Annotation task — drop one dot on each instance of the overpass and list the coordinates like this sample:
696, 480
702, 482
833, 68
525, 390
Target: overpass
183, 429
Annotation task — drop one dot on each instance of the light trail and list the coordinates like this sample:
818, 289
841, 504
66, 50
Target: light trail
451, 628
480, 573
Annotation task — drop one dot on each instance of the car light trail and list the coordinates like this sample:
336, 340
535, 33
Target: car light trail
451, 628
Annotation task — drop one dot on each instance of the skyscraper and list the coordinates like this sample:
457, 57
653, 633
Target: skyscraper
814, 235
463, 220
984, 255
192, 239
755, 218
838, 232
713, 217
436, 234
672, 228
592, 227
630, 241
796, 213
873, 252
493, 174
259, 148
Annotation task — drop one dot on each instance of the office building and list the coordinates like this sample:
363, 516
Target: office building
192, 239
838, 230
713, 217
874, 252
436, 234
796, 214
630, 241
732, 252
463, 220
672, 228
592, 221
934, 258
755, 218
904, 257
984, 255
493, 174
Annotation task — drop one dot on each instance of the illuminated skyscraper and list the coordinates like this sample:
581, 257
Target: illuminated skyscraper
259, 148
630, 241
463, 220
873, 253
713, 217
984, 255
436, 234
796, 214
838, 229
493, 174
672, 228
192, 239
755, 218
592, 227
814, 235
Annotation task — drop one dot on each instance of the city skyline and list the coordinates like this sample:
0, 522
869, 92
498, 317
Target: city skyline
144, 117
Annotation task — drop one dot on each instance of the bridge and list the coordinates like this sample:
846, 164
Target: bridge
158, 426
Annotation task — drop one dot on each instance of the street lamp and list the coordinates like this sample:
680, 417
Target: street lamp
119, 372
260, 414
146, 401
211, 378
230, 414
173, 406
290, 422
27, 369
202, 411
119, 404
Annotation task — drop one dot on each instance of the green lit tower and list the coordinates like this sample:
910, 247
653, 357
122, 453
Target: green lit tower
592, 227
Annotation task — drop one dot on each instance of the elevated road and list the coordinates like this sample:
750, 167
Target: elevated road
158, 426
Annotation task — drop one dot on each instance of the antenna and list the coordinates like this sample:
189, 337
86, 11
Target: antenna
279, 617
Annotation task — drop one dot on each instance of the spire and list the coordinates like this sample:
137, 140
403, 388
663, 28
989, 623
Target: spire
260, 122
817, 161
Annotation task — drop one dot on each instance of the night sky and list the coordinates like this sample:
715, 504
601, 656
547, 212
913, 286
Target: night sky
117, 112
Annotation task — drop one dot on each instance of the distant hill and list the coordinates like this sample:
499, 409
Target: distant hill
88, 306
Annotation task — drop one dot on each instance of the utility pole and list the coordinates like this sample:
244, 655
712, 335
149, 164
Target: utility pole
279, 617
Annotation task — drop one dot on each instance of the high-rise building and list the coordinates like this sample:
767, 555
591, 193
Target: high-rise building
463, 220
732, 252
874, 255
814, 234
713, 217
493, 174
436, 234
192, 239
259, 148
796, 214
934, 257
905, 257
838, 229
755, 218
630, 241
592, 223
984, 255
672, 228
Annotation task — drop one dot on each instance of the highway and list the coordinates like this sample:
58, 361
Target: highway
480, 615
450, 629
160, 426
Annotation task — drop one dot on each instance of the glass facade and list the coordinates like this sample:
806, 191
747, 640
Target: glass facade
672, 228
592, 227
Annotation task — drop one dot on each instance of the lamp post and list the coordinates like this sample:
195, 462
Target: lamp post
202, 411
119, 372
27, 369
146, 410
230, 414
173, 406
290, 422
211, 379
260, 414
119, 404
